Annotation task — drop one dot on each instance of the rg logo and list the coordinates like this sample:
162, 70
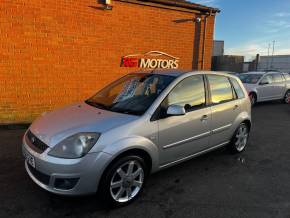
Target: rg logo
130, 62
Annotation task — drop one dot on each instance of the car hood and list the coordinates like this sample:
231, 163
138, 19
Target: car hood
54, 126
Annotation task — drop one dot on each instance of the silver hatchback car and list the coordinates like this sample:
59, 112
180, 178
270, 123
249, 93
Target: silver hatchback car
137, 125
267, 86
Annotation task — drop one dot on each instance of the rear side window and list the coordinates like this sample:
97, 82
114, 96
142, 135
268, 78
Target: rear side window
277, 78
220, 88
239, 91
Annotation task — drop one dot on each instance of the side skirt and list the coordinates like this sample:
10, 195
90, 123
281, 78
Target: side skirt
193, 155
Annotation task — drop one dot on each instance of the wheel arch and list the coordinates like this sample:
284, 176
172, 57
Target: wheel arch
253, 92
134, 151
285, 95
243, 117
131, 151
248, 123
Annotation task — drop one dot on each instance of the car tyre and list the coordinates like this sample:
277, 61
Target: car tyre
286, 99
123, 181
253, 98
240, 139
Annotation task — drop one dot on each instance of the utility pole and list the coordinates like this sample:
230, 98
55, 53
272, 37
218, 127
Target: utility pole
273, 51
268, 58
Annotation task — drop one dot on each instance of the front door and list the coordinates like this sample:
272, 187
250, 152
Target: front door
182, 136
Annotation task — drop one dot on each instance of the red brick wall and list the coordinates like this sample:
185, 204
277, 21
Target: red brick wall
53, 53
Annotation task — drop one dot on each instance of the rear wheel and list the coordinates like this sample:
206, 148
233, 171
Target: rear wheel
253, 98
287, 97
123, 181
240, 139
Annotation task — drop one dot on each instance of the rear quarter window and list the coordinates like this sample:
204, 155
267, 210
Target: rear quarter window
237, 88
287, 77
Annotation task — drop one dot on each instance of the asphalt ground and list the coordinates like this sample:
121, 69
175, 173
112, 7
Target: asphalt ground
255, 183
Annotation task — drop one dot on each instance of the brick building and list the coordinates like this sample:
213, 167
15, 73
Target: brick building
53, 53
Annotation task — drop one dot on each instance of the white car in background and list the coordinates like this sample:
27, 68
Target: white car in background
267, 86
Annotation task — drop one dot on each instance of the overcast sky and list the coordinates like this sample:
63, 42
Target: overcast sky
248, 26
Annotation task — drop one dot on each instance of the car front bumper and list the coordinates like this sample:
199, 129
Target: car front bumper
85, 172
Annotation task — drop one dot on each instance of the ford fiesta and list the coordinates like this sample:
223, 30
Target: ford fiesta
139, 124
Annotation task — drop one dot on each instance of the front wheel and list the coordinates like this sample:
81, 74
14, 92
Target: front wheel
240, 139
123, 181
287, 97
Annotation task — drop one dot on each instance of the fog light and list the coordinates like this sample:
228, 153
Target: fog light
65, 184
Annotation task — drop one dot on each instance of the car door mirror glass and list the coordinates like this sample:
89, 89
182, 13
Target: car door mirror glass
176, 110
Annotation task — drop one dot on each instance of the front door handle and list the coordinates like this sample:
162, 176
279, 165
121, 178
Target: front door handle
204, 118
236, 107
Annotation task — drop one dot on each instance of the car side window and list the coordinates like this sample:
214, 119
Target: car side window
268, 79
238, 90
189, 93
220, 88
277, 78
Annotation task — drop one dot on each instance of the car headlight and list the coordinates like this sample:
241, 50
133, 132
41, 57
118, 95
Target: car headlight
75, 146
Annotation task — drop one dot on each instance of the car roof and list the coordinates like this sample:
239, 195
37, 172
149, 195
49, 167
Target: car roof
171, 72
177, 73
260, 72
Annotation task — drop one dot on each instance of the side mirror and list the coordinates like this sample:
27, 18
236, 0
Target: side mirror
176, 110
264, 83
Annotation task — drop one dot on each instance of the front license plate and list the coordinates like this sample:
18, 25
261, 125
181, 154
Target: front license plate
29, 159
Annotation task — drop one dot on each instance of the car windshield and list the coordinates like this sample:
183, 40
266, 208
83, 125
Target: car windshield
131, 94
250, 78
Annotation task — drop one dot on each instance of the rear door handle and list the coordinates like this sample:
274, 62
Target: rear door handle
236, 107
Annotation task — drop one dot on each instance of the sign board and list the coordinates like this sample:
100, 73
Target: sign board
152, 60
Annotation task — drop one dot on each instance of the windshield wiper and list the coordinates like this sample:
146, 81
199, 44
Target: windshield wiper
126, 111
97, 104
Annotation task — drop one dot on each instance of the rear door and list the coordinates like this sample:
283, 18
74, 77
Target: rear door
225, 108
279, 85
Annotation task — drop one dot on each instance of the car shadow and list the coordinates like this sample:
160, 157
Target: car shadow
268, 103
75, 205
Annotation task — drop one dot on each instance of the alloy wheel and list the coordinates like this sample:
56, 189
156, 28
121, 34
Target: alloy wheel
127, 181
241, 137
287, 98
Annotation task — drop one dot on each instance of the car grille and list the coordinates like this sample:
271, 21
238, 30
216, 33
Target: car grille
35, 143
41, 177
